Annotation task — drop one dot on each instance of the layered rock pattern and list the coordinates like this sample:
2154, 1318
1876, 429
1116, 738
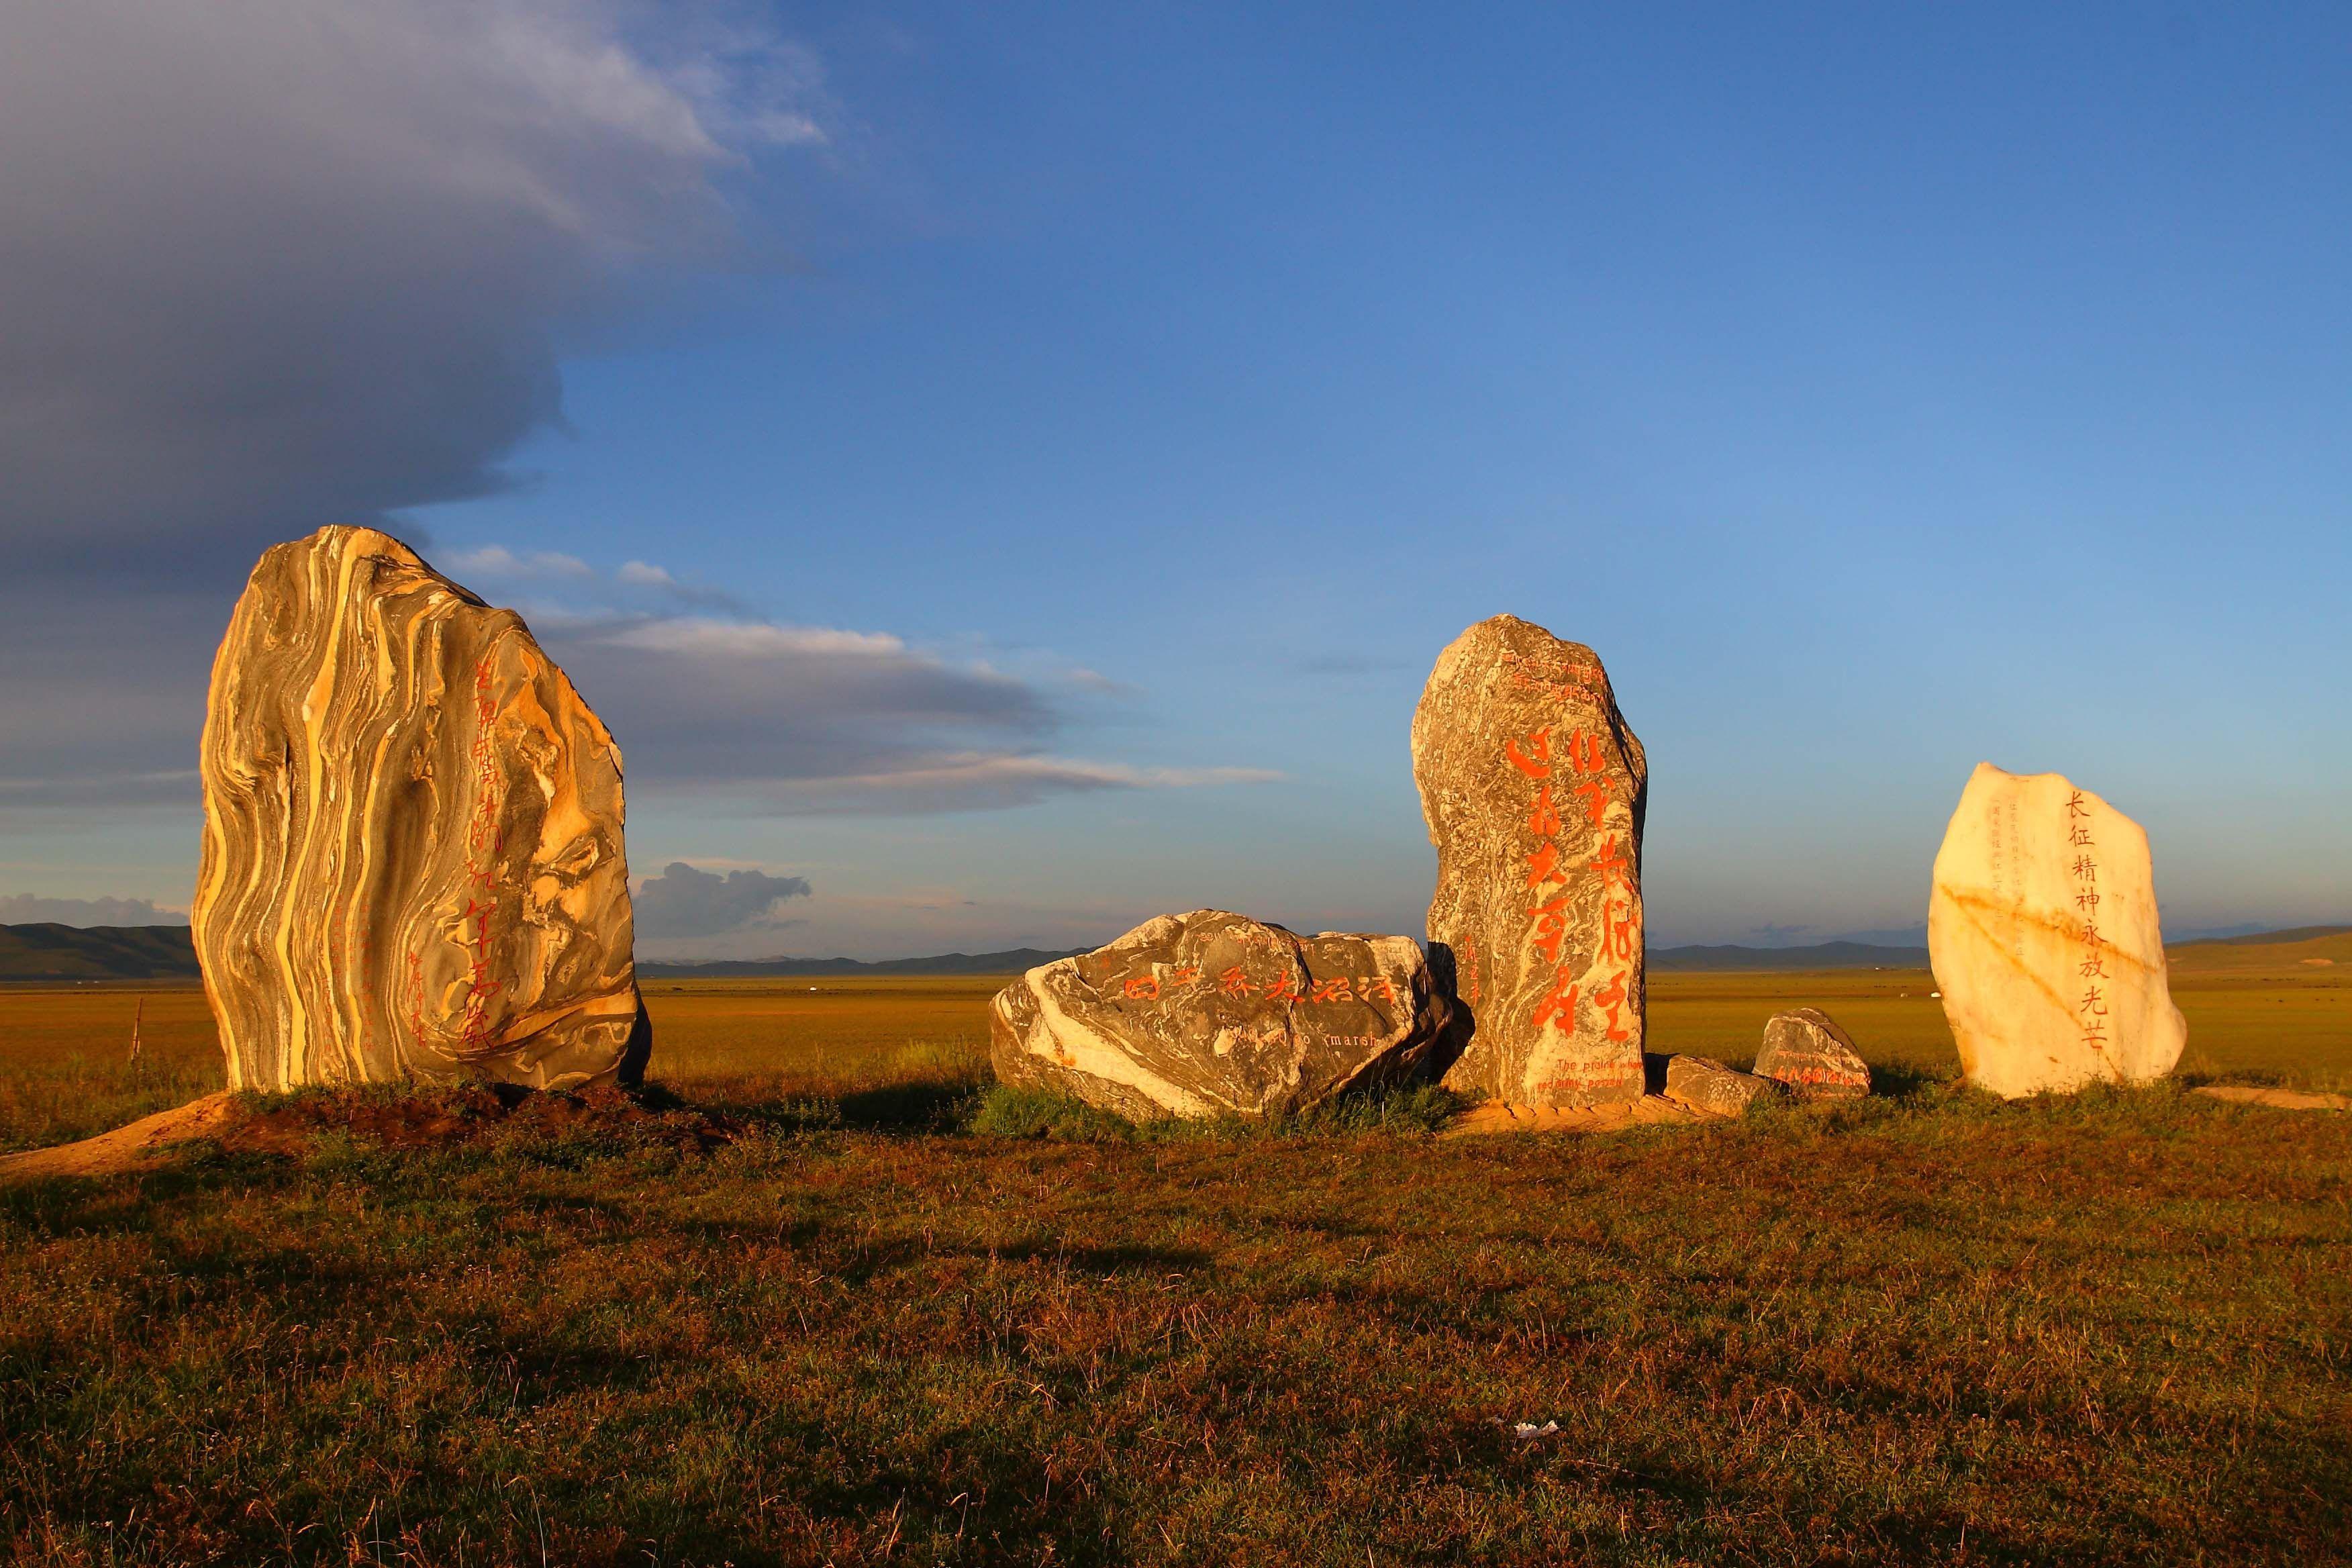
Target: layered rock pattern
1807, 1051
1710, 1088
2044, 933
1211, 1014
1534, 790
413, 858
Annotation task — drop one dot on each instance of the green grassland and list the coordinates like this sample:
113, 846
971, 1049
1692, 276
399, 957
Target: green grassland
1930, 1327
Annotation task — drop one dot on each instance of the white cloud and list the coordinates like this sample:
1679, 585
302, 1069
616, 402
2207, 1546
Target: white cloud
498, 561
696, 634
640, 574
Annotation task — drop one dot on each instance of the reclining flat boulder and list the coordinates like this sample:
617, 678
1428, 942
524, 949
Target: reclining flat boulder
1211, 1014
1707, 1086
412, 860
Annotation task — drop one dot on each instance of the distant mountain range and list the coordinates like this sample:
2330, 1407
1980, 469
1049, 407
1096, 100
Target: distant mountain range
49, 951
1819, 955
58, 952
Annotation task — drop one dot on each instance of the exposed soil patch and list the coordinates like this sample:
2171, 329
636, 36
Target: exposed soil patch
1493, 1116
2278, 1098
129, 1148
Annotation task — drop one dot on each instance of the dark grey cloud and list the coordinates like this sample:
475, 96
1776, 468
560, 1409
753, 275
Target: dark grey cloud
684, 902
32, 908
275, 263
270, 264
806, 720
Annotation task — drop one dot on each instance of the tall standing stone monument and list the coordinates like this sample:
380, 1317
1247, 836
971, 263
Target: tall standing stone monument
413, 859
1534, 791
1211, 1013
2043, 931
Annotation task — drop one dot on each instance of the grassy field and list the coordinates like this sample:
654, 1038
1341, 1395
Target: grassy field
1925, 1328
2256, 1014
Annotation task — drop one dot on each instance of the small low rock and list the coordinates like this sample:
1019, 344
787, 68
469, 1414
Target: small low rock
1807, 1051
1707, 1086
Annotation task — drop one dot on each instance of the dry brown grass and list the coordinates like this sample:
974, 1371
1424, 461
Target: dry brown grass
2112, 1329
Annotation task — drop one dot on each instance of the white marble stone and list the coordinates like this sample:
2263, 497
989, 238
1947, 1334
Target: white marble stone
2044, 933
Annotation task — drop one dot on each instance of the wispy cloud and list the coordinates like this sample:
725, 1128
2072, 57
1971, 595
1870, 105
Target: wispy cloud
828, 720
497, 562
981, 781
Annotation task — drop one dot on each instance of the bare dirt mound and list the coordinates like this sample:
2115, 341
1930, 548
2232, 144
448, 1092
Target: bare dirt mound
142, 1143
430, 1119
1493, 1116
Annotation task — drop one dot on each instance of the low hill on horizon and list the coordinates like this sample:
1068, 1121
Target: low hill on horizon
2316, 947
1818, 955
1010, 962
63, 953
52, 951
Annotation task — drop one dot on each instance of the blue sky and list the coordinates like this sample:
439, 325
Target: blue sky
1878, 390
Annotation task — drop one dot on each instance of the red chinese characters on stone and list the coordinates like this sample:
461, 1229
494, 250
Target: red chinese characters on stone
1544, 820
1611, 999
1535, 759
1580, 761
1557, 1008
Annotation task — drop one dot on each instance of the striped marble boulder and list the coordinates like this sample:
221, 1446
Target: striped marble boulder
413, 864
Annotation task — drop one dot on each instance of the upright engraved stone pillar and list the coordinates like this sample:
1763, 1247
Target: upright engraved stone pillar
1534, 790
412, 860
2044, 933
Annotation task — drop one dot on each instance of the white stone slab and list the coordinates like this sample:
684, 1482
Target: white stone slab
2044, 933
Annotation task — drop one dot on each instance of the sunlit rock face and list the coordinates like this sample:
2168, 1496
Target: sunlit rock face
1534, 790
1708, 1086
2042, 931
413, 859
1807, 1051
1211, 1014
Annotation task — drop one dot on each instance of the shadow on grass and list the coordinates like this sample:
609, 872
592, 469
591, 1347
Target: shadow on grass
1906, 1081
1004, 1111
